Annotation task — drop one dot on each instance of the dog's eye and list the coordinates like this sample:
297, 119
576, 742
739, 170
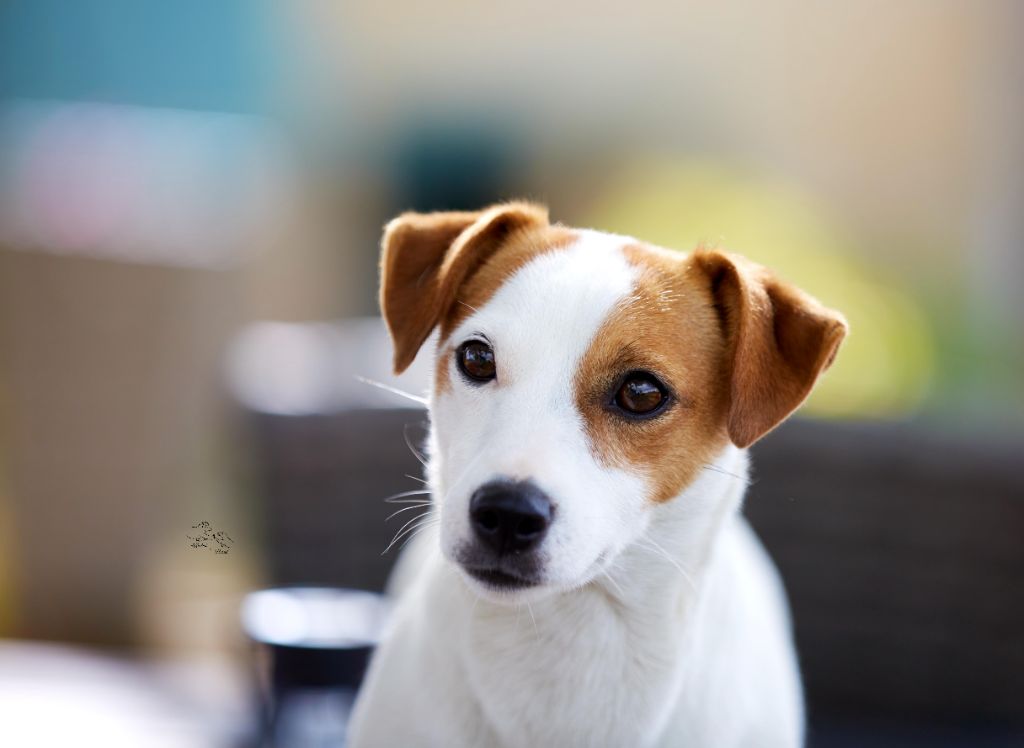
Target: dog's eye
476, 361
641, 394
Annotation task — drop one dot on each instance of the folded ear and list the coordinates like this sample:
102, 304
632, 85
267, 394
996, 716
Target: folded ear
426, 257
780, 340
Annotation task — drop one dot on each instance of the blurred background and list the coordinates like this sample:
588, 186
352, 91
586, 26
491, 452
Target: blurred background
191, 199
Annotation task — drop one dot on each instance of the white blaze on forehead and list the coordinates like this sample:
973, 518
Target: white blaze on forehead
552, 307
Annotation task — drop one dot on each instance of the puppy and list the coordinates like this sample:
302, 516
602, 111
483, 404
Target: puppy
589, 580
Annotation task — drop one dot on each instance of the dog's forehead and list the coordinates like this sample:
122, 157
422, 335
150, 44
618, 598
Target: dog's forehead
556, 301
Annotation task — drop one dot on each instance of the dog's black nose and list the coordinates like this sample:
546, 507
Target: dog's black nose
510, 517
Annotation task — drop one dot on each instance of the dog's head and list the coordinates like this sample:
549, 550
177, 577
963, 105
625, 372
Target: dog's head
582, 379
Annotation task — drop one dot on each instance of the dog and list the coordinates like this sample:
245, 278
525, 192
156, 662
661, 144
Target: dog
585, 577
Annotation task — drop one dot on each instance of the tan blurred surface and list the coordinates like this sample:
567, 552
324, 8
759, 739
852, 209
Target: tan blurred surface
110, 382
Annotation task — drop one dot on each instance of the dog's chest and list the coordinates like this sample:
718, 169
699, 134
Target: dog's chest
573, 674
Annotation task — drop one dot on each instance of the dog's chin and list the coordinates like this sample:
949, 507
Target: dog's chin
515, 581
503, 587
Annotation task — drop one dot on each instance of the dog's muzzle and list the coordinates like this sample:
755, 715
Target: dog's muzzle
509, 521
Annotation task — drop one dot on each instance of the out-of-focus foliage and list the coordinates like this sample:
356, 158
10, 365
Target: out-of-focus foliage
886, 363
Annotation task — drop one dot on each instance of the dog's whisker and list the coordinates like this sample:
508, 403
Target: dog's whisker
399, 534
717, 469
465, 472
406, 509
608, 575
658, 549
393, 390
417, 531
536, 631
403, 494
420, 502
431, 521
415, 453
428, 520
413, 477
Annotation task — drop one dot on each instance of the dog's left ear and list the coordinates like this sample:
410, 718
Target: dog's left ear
425, 259
779, 338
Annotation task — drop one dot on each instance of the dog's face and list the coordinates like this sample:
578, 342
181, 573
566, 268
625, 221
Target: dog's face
582, 379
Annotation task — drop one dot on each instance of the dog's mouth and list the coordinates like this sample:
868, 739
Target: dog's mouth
499, 579
500, 573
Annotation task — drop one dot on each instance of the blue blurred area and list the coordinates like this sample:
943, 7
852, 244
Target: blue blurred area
193, 54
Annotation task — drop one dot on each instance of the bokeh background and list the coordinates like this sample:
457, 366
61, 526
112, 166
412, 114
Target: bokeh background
191, 198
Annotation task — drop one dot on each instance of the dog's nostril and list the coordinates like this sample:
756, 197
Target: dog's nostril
530, 527
487, 520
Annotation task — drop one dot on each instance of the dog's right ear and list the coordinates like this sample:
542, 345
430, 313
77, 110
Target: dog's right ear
425, 259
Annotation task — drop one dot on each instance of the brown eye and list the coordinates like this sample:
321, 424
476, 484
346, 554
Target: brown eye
641, 394
476, 361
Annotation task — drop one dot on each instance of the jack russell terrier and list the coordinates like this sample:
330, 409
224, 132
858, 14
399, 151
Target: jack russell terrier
589, 580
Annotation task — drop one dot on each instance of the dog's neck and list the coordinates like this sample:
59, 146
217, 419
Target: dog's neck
673, 552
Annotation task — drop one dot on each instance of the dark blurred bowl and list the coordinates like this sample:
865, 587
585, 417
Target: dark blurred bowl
313, 645
317, 637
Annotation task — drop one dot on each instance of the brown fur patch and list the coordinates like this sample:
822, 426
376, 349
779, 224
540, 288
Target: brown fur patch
669, 328
516, 251
738, 348
427, 257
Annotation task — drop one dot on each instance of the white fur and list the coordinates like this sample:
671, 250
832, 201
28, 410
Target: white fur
657, 624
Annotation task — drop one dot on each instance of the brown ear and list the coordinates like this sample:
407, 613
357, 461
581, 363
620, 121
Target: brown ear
426, 257
780, 340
